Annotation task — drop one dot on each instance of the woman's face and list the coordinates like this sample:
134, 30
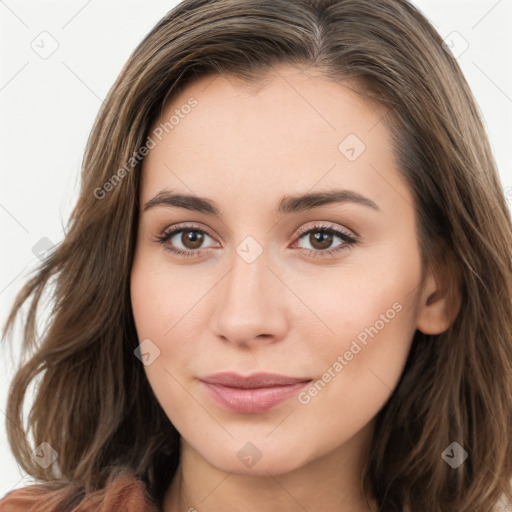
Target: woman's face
325, 290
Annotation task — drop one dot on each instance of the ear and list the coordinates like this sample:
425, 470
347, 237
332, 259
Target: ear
441, 298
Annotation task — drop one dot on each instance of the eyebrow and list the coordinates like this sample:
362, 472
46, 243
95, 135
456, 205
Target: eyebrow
287, 205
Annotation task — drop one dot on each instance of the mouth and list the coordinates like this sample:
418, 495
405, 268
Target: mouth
252, 394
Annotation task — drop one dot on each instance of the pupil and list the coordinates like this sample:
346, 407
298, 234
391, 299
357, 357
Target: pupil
322, 238
192, 239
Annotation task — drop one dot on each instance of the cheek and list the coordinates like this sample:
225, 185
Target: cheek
369, 349
372, 321
357, 372
160, 295
159, 300
166, 310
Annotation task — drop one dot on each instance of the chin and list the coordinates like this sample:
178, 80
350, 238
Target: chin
256, 458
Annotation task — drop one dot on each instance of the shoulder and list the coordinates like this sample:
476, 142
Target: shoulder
21, 500
124, 493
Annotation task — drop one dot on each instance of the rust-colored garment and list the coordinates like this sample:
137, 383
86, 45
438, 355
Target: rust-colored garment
124, 494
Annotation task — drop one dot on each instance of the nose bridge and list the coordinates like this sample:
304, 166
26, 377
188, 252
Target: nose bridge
250, 303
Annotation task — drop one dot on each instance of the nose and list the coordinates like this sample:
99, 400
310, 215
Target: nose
251, 304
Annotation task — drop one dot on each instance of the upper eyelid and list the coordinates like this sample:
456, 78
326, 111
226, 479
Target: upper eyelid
176, 228
328, 227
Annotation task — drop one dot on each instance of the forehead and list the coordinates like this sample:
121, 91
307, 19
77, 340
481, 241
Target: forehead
295, 131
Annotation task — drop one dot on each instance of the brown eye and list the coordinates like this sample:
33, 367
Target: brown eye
192, 239
320, 239
184, 241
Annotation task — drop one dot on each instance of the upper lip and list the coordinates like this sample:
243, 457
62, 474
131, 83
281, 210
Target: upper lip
257, 380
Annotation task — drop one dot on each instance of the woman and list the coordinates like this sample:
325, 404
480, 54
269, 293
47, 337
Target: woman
200, 356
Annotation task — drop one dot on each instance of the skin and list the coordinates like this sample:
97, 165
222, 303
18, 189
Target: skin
290, 311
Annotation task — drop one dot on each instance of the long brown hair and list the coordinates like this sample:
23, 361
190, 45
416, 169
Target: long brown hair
94, 405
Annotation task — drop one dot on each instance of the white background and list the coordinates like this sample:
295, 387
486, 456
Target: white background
47, 107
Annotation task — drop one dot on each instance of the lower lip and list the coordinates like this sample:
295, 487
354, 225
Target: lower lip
252, 400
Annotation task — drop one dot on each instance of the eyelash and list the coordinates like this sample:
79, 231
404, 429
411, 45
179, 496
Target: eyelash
348, 240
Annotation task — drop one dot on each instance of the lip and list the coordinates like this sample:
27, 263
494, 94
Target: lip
254, 393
